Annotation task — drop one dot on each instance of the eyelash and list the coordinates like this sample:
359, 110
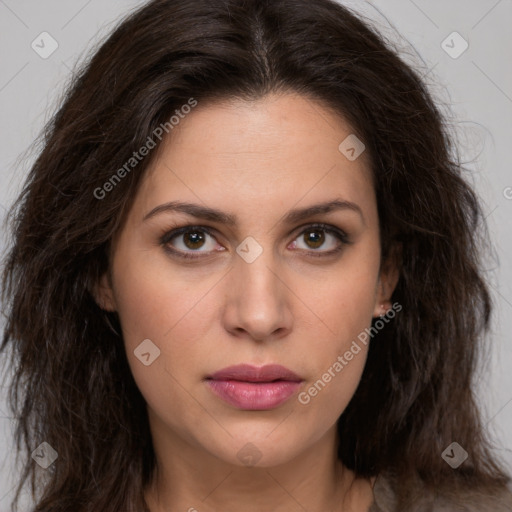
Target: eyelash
332, 230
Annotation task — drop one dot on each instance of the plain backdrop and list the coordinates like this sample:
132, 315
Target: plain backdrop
475, 85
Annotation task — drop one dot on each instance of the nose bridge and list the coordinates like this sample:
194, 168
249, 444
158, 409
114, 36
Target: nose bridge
257, 274
258, 302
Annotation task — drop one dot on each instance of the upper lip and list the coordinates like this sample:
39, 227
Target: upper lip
250, 373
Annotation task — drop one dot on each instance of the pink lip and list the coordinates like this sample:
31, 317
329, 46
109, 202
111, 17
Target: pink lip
252, 388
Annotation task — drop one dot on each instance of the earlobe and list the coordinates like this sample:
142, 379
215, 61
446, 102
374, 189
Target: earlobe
381, 308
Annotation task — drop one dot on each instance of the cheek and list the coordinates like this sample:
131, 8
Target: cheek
338, 356
345, 305
152, 299
344, 299
161, 306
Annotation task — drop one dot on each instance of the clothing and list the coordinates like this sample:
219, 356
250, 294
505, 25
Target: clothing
422, 501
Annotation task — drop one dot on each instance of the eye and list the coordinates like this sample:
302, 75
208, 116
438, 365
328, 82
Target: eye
317, 236
189, 238
186, 241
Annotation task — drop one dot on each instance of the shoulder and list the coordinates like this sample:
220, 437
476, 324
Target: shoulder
419, 499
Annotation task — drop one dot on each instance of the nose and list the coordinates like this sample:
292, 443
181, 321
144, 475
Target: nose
258, 300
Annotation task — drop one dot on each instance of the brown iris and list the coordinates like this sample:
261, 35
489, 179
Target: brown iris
315, 237
193, 239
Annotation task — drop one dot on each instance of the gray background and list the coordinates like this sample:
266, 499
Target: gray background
476, 88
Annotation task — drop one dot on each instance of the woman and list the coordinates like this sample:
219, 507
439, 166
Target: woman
245, 276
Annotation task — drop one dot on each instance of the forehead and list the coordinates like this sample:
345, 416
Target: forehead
269, 153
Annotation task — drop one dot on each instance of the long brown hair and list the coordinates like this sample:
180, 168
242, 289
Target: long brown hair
72, 386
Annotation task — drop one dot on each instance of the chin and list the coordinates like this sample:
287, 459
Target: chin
260, 450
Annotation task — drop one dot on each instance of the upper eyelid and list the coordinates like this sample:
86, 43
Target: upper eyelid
178, 231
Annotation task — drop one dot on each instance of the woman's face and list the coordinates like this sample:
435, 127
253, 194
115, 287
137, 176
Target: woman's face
266, 288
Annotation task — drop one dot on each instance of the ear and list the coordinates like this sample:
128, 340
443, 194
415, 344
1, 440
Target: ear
388, 279
103, 293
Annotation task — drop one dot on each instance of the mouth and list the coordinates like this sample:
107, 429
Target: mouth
248, 387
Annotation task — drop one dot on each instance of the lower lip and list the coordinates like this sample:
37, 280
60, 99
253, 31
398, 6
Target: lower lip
254, 396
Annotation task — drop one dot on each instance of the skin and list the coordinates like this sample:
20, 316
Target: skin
256, 160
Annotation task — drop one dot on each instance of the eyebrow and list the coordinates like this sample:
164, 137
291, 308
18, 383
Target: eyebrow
213, 215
